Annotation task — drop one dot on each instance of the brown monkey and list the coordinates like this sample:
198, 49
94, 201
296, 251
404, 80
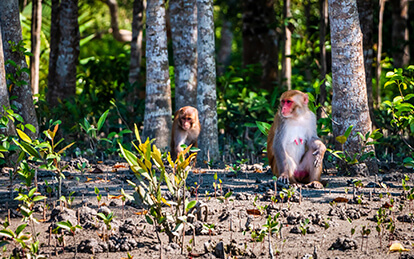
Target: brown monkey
294, 150
185, 129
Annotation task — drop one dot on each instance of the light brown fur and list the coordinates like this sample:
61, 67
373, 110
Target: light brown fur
185, 129
294, 150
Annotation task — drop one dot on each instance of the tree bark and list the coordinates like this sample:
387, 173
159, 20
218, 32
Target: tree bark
400, 38
260, 42
4, 94
136, 43
224, 54
287, 43
323, 5
157, 118
119, 35
183, 19
349, 101
366, 18
379, 50
64, 51
35, 41
206, 89
12, 31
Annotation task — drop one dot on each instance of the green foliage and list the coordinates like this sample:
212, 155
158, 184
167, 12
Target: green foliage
148, 187
358, 157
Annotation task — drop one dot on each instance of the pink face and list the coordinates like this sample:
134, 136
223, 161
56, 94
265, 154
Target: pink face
287, 105
186, 122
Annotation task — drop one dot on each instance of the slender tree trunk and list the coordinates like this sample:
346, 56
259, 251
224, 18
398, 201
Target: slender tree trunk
35, 41
224, 54
349, 101
119, 35
286, 61
379, 50
64, 51
206, 89
157, 118
136, 43
400, 38
366, 18
12, 31
322, 38
183, 20
136, 57
4, 94
260, 41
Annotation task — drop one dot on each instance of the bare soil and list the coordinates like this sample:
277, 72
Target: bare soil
328, 233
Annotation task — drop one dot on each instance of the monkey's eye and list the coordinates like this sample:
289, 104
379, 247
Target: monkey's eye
288, 101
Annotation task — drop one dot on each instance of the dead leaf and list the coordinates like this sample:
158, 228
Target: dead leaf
88, 180
340, 200
387, 205
199, 171
118, 166
112, 197
100, 162
397, 247
142, 212
253, 212
96, 171
257, 170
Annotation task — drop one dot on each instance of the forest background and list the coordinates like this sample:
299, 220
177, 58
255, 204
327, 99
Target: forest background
262, 48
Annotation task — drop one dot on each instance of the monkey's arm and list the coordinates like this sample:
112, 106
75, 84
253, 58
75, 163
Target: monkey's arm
318, 150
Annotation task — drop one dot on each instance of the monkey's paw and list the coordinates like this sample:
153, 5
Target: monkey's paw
314, 185
318, 158
283, 179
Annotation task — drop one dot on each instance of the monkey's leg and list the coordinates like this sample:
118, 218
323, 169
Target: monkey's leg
312, 164
287, 176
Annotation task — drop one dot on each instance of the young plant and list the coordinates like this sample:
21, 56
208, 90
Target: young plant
93, 131
98, 196
67, 225
45, 152
148, 188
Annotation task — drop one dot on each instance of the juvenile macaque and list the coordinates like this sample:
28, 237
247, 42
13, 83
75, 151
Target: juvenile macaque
294, 150
185, 129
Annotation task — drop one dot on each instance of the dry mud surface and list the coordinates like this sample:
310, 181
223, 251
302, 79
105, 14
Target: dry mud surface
328, 233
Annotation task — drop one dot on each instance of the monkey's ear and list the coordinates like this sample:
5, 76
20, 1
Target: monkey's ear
305, 99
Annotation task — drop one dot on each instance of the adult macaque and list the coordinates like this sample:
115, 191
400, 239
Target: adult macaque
185, 129
294, 150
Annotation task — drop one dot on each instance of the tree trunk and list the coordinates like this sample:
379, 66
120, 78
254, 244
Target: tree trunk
286, 61
206, 89
35, 41
183, 19
224, 54
4, 94
157, 118
322, 38
260, 39
400, 39
64, 51
119, 35
379, 50
137, 90
349, 101
136, 43
12, 31
366, 20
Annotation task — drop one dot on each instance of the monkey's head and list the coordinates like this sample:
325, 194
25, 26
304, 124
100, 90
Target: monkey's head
187, 117
293, 103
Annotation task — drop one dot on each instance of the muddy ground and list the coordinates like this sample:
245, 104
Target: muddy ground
328, 233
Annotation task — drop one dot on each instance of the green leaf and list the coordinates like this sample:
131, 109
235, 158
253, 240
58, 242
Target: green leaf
30, 127
8, 233
39, 198
191, 205
23, 136
341, 139
348, 131
65, 225
149, 220
102, 119
20, 228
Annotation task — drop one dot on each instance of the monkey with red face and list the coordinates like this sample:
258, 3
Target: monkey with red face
294, 150
185, 129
